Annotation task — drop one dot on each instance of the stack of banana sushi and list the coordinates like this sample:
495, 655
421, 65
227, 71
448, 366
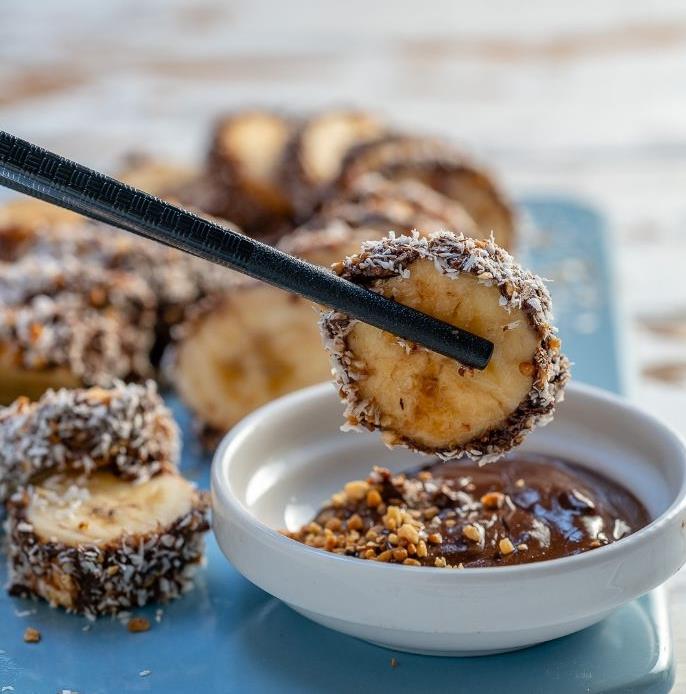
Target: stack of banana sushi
317, 188
95, 304
98, 518
82, 304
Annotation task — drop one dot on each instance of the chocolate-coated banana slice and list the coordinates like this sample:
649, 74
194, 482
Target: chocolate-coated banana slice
426, 401
314, 155
100, 545
126, 429
243, 165
440, 166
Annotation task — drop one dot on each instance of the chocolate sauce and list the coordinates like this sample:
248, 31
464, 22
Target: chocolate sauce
525, 508
554, 507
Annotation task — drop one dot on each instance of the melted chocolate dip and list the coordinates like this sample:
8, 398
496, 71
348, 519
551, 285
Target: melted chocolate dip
525, 508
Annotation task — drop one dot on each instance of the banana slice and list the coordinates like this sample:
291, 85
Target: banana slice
98, 545
245, 349
245, 155
68, 323
441, 167
256, 343
66, 254
428, 402
401, 206
314, 155
56, 342
126, 428
373, 207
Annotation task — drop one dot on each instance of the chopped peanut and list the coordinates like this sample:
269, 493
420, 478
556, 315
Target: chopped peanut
334, 524
356, 490
355, 522
32, 635
138, 624
493, 500
409, 532
505, 546
373, 498
473, 532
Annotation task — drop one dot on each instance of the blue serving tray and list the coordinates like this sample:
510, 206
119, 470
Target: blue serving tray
229, 636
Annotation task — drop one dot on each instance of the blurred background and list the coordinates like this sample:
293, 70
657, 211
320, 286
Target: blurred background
580, 99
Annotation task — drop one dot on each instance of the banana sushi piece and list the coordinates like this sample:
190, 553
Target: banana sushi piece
313, 157
243, 166
97, 544
69, 324
255, 343
441, 167
60, 342
423, 400
176, 279
126, 428
401, 206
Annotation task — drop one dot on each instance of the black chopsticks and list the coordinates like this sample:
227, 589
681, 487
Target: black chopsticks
29, 169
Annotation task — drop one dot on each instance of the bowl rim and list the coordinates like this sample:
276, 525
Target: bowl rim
232, 441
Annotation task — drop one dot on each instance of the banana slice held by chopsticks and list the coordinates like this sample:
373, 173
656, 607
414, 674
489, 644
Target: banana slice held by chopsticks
428, 402
240, 350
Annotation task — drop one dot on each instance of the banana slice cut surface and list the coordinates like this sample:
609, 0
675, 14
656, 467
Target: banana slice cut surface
101, 508
428, 402
249, 347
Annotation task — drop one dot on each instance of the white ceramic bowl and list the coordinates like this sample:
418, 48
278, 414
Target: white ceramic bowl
276, 468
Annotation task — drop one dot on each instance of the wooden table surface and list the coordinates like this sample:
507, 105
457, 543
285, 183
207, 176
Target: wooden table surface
584, 99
